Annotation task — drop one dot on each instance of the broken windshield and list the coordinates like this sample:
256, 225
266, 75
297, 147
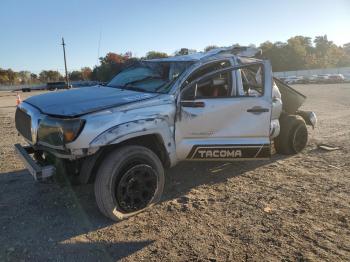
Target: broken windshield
153, 77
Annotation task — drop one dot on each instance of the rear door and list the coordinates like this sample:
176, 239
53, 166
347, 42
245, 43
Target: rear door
225, 114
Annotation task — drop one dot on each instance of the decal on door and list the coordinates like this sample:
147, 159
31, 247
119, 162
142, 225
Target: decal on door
229, 152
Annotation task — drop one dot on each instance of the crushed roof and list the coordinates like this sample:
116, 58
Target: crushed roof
245, 52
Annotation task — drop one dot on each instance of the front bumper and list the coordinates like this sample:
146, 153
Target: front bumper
309, 117
35, 169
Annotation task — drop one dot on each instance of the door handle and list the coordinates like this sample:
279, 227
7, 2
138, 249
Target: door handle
192, 104
257, 110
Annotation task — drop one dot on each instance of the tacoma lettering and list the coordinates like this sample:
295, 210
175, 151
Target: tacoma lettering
220, 153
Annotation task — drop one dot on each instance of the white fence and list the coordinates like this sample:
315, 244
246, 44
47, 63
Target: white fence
339, 70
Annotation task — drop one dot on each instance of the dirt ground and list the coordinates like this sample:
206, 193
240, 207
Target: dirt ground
286, 209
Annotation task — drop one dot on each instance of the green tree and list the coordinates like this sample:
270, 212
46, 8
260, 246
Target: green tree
75, 75
345, 59
322, 49
24, 77
300, 53
155, 54
346, 48
184, 51
276, 53
210, 47
12, 76
297, 50
110, 65
4, 79
86, 73
50, 76
33, 78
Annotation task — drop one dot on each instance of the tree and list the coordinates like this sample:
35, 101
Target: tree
83, 74
185, 51
112, 58
50, 76
86, 73
275, 52
345, 59
297, 50
24, 77
322, 44
322, 48
110, 65
300, 53
33, 76
210, 47
346, 48
75, 75
12, 76
155, 54
4, 79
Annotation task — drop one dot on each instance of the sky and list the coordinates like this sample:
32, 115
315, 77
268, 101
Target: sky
31, 31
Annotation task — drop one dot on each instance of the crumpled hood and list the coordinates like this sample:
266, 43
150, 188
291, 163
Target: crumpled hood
76, 102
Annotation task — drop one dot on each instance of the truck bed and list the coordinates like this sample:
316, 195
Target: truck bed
292, 100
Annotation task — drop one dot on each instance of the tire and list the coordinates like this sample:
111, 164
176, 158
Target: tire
293, 135
122, 175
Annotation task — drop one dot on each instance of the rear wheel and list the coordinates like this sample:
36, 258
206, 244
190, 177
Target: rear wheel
130, 179
293, 136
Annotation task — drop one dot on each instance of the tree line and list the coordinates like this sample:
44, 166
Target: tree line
10, 77
301, 52
297, 53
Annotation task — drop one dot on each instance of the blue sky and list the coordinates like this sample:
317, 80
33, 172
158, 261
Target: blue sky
31, 31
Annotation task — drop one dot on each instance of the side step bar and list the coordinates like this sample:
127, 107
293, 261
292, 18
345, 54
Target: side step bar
37, 171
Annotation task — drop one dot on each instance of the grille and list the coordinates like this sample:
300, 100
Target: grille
23, 124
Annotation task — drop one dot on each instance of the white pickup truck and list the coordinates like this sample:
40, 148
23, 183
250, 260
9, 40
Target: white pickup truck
220, 105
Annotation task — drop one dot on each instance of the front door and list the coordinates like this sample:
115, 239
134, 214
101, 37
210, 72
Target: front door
225, 115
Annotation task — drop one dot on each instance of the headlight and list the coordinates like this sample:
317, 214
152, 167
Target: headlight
57, 132
309, 117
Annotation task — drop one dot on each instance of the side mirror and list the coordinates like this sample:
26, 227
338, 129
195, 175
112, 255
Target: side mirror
189, 99
189, 94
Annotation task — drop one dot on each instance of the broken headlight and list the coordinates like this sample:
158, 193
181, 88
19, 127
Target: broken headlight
57, 132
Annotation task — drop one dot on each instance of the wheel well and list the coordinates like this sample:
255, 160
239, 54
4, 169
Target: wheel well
153, 142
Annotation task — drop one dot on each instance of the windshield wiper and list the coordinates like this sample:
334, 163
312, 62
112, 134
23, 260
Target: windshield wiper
110, 86
136, 88
133, 88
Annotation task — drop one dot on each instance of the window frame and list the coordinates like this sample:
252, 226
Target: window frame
233, 78
211, 63
262, 80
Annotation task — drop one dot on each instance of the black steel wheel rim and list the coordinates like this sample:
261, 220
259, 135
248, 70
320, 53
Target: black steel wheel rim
136, 188
300, 138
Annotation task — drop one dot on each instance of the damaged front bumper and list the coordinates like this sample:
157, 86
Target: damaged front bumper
309, 117
35, 169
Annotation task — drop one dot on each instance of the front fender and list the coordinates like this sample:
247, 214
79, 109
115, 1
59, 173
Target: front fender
309, 117
137, 128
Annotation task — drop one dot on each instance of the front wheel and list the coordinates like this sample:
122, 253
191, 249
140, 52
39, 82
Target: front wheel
130, 179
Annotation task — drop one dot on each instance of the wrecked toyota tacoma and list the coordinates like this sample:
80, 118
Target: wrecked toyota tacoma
220, 105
